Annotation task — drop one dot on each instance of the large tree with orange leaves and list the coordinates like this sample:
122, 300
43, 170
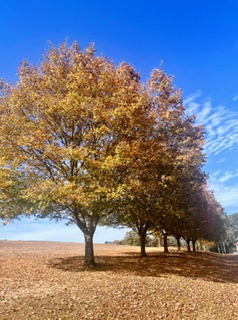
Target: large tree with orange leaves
81, 139
67, 129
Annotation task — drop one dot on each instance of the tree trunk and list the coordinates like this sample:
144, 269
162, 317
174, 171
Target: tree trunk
88, 228
142, 227
178, 243
188, 244
89, 260
200, 245
194, 245
165, 237
142, 243
224, 247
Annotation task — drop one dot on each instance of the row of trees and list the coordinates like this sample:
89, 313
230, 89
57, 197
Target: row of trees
86, 141
202, 219
224, 242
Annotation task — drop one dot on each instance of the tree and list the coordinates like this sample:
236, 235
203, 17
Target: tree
131, 239
204, 217
67, 129
233, 222
214, 228
231, 238
172, 151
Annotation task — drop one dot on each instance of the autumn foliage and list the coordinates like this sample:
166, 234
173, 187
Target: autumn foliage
84, 140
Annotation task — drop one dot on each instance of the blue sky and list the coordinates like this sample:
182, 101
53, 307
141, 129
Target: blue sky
197, 41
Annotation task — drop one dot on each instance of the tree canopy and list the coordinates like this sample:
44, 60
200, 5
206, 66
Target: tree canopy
66, 130
83, 140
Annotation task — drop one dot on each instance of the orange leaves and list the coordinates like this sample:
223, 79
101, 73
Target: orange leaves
81, 138
84, 134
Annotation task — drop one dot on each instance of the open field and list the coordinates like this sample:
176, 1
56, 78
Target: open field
45, 280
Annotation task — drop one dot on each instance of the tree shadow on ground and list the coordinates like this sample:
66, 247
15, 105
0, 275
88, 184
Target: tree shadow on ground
199, 265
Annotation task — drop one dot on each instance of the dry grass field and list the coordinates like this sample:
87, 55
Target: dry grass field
45, 280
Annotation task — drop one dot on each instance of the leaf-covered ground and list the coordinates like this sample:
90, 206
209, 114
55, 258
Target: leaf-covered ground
45, 280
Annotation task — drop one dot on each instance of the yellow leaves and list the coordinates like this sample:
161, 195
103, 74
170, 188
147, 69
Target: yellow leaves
82, 131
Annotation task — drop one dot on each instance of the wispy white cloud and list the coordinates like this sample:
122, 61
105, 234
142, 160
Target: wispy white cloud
225, 186
216, 173
226, 195
221, 123
228, 175
235, 98
220, 160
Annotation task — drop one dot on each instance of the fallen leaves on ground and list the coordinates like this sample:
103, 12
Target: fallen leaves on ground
46, 280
